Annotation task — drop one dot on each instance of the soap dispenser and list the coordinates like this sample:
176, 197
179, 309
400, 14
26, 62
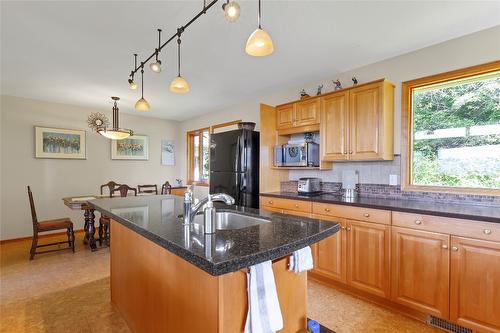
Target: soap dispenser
209, 216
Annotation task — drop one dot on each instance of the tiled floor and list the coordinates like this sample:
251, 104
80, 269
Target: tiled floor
64, 292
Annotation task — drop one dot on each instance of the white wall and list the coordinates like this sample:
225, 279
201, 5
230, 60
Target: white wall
473, 49
53, 179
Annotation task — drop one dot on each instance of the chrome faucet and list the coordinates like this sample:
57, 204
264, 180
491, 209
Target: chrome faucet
190, 210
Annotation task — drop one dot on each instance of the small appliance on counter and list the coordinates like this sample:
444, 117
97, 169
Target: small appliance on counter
349, 181
297, 155
309, 186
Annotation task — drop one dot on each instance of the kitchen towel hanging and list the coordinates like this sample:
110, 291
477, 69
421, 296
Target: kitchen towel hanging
301, 260
264, 313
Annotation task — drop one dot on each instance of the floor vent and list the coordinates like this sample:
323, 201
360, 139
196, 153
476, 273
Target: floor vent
447, 326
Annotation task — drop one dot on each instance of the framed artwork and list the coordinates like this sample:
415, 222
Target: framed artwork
60, 143
167, 152
135, 147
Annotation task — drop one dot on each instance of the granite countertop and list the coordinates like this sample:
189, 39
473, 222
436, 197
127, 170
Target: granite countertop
438, 208
159, 219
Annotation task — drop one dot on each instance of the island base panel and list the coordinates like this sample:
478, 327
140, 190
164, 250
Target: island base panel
156, 291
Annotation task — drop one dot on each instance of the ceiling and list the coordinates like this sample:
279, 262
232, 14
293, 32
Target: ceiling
80, 52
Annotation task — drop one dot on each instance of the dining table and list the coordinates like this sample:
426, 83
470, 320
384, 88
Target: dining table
81, 203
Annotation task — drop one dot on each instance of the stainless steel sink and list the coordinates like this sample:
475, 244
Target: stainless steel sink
231, 221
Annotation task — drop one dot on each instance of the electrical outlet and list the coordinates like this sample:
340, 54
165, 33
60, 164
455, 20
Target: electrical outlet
393, 180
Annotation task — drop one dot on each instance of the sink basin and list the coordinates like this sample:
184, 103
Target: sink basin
231, 221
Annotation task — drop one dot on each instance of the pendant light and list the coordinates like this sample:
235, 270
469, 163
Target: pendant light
259, 44
115, 133
156, 65
142, 104
131, 84
231, 10
179, 85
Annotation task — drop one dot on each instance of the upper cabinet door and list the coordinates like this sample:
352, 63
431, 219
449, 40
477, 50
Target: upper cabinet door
307, 112
420, 270
285, 116
334, 122
475, 284
366, 105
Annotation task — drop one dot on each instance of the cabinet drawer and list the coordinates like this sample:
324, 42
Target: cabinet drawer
353, 213
457, 227
287, 204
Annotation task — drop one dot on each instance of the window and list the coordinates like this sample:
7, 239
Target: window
198, 156
451, 131
198, 152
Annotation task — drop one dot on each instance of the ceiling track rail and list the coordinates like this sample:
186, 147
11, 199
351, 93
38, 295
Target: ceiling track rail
178, 34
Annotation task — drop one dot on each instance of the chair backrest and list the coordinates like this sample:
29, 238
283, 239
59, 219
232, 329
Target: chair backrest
148, 189
124, 189
33, 210
111, 185
166, 188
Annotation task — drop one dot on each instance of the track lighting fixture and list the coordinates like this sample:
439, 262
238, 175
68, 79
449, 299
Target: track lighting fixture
131, 84
179, 85
156, 65
259, 44
115, 132
142, 104
231, 10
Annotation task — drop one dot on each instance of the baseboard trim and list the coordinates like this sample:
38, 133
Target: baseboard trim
21, 239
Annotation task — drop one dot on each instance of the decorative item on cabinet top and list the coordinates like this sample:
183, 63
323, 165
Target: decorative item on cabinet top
60, 143
135, 147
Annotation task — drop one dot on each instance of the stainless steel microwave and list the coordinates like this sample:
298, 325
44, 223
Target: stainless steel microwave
297, 155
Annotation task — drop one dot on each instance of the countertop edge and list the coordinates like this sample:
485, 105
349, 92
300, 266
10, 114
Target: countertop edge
382, 207
222, 267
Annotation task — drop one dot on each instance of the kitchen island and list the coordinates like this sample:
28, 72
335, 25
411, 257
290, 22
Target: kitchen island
167, 277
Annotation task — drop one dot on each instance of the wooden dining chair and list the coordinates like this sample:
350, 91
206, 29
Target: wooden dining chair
166, 188
49, 225
111, 185
104, 221
150, 189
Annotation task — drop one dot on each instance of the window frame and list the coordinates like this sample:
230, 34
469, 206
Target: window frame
407, 127
190, 147
190, 155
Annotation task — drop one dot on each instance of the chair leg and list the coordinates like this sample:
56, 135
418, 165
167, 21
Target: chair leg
71, 238
101, 227
34, 243
107, 233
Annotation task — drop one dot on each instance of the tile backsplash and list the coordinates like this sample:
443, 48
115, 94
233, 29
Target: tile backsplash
395, 192
373, 172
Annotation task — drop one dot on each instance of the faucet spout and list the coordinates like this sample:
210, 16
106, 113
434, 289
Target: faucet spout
190, 210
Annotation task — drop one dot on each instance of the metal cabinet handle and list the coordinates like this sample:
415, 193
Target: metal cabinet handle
487, 231
271, 202
444, 246
327, 209
343, 228
454, 248
350, 152
348, 228
366, 215
296, 206
418, 222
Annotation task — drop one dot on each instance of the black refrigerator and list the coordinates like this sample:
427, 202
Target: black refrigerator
234, 166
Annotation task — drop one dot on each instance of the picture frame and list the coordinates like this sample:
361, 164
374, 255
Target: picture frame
135, 147
60, 143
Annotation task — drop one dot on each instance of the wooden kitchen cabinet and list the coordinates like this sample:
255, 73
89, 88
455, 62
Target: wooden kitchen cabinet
358, 123
475, 284
368, 257
307, 112
420, 270
285, 116
330, 254
334, 130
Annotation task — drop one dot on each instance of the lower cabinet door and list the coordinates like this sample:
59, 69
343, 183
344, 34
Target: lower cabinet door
420, 270
331, 253
368, 266
475, 284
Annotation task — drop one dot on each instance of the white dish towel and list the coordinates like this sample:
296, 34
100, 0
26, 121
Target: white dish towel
301, 260
264, 313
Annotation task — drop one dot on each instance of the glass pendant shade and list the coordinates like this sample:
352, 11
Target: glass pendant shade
259, 44
179, 85
115, 134
142, 105
132, 85
155, 66
231, 11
